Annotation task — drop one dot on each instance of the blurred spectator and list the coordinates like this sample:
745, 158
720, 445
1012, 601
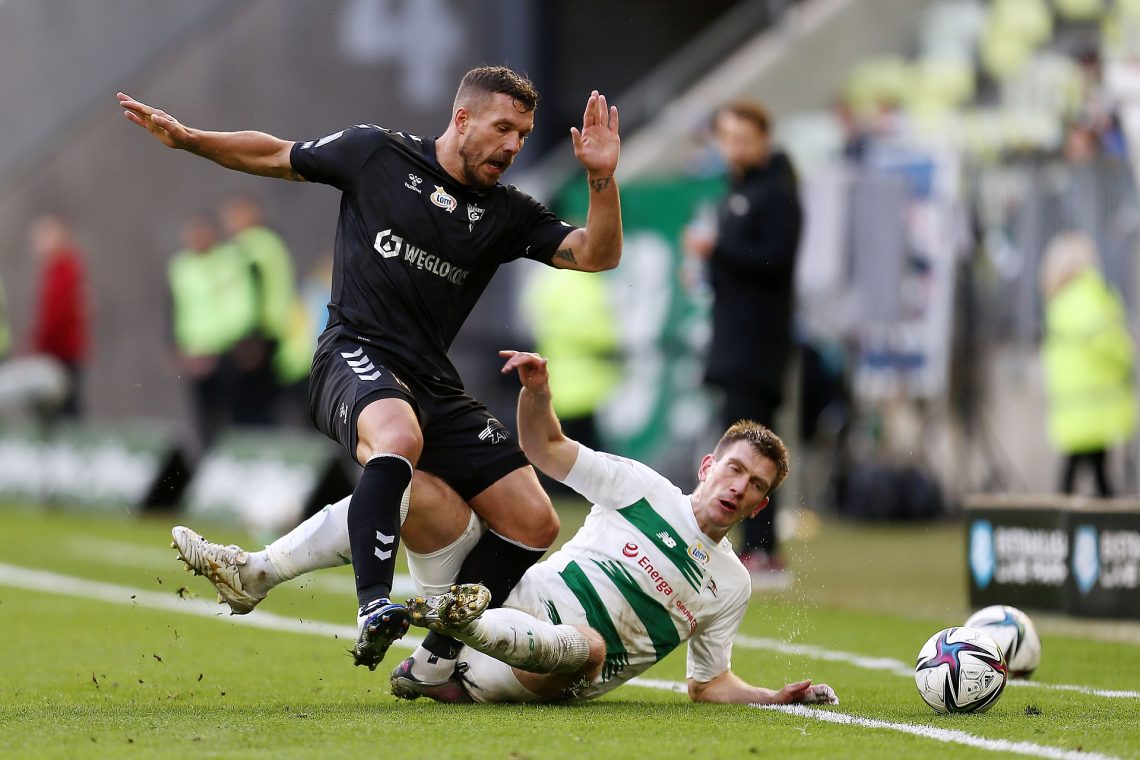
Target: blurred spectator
60, 327
213, 309
572, 321
5, 326
1088, 360
262, 357
751, 260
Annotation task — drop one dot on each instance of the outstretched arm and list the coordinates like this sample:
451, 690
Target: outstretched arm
250, 152
540, 434
730, 688
597, 246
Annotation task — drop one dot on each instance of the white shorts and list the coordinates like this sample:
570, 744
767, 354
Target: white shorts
435, 573
490, 680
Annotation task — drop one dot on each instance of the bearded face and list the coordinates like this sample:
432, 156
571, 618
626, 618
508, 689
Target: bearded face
493, 132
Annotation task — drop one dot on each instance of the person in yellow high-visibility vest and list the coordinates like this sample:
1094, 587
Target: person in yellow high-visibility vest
212, 310
572, 321
1088, 358
264, 357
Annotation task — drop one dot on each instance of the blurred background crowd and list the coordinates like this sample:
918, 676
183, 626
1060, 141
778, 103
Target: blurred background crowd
961, 289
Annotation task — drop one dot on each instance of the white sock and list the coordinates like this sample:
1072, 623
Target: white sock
317, 543
431, 668
527, 643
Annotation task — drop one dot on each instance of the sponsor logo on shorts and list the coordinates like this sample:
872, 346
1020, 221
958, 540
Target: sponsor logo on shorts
494, 432
443, 200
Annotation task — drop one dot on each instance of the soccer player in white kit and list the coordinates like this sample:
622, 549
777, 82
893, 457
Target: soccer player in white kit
650, 568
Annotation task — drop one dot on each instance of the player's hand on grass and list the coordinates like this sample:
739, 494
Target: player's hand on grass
162, 125
803, 693
597, 144
531, 368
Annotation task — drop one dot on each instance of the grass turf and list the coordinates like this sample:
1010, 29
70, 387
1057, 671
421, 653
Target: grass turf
87, 678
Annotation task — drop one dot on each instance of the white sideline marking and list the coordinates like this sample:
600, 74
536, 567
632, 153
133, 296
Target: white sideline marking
67, 585
949, 736
128, 554
899, 668
946, 735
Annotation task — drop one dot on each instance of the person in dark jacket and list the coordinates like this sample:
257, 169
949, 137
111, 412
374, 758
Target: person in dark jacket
751, 261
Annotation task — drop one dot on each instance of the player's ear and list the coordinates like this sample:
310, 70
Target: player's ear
462, 115
706, 465
760, 507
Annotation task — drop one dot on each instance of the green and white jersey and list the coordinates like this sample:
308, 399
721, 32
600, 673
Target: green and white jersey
640, 572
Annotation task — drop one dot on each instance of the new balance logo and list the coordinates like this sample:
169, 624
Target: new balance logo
494, 432
359, 363
384, 540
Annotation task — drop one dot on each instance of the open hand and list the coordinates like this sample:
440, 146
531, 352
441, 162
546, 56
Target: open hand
162, 125
597, 144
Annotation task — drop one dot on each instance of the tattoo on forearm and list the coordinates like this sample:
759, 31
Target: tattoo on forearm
600, 184
566, 254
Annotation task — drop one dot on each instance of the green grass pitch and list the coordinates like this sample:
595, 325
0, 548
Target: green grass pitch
125, 668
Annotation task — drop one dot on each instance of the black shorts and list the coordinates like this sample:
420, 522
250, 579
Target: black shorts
463, 443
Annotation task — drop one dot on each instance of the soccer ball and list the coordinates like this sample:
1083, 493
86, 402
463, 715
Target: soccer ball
1014, 632
960, 670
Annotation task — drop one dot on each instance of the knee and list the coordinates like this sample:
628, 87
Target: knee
405, 440
540, 526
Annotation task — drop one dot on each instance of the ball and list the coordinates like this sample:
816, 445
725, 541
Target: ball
1014, 632
960, 670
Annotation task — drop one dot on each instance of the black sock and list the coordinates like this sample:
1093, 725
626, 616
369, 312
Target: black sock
374, 524
498, 564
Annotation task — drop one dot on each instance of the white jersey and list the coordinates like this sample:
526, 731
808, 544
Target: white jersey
640, 572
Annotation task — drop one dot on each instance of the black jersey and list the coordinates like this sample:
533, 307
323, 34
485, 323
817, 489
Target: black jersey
415, 248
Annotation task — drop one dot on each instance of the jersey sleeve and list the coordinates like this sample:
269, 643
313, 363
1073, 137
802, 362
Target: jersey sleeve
337, 159
537, 230
608, 480
710, 649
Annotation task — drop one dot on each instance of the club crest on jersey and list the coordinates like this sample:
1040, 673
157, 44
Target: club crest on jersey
443, 200
494, 432
474, 214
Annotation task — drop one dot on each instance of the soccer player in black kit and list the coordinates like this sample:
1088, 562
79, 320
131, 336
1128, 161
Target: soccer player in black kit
424, 224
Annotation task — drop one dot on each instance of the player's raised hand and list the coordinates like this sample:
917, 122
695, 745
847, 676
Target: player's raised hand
531, 368
597, 144
162, 125
803, 693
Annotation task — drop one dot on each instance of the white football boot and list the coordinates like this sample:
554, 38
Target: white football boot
221, 565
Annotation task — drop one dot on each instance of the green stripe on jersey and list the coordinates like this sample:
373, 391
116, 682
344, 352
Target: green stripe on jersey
656, 619
552, 612
598, 618
660, 532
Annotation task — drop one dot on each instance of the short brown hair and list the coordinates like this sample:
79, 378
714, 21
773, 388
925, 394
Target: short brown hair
748, 110
487, 80
763, 441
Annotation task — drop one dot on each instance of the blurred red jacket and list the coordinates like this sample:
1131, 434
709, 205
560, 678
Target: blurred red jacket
61, 317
